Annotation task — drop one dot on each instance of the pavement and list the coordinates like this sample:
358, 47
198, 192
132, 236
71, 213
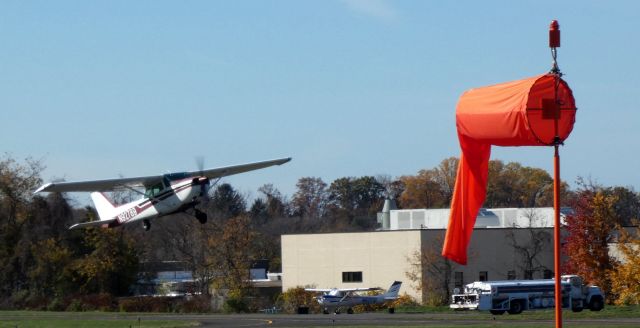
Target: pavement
380, 319
328, 320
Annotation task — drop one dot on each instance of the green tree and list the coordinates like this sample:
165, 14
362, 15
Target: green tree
356, 200
226, 202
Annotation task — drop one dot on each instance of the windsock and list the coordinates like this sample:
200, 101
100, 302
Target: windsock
536, 111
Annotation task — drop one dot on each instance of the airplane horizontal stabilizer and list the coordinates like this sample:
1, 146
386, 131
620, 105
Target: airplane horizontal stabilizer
89, 224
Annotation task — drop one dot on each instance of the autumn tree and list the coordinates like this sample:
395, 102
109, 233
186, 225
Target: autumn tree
185, 239
431, 273
445, 176
625, 278
432, 188
514, 185
310, 198
588, 234
529, 249
356, 200
17, 182
50, 274
105, 261
422, 191
626, 206
233, 253
271, 204
392, 187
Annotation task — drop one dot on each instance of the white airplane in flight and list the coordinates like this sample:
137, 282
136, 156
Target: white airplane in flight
164, 194
334, 299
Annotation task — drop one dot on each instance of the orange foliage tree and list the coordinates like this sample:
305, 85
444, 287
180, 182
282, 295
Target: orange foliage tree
625, 279
588, 234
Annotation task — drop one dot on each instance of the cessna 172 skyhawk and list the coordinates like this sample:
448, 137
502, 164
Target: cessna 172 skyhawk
164, 194
335, 298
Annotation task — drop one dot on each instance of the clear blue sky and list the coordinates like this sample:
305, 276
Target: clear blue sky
100, 89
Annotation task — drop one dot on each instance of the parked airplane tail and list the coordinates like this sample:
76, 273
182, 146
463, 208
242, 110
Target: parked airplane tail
105, 209
392, 292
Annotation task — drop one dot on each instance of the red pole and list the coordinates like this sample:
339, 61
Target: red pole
556, 236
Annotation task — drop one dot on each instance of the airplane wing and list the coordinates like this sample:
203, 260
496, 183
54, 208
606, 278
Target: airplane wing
235, 169
326, 290
120, 183
318, 290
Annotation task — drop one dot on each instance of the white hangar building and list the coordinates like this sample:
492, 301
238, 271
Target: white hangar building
376, 259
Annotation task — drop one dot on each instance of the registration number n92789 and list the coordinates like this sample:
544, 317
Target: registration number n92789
127, 215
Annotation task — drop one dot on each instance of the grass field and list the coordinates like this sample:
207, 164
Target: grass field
632, 311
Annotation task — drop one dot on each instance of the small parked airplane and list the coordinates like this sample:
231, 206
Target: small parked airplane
164, 194
334, 299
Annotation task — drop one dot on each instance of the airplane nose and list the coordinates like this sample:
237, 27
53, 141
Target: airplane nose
203, 182
205, 187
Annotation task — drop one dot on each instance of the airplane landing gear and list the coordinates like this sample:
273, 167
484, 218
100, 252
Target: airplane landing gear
349, 311
325, 311
201, 216
146, 224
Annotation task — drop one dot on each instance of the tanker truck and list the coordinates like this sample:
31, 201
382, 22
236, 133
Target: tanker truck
515, 296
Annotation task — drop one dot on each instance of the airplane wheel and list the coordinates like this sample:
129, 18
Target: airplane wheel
146, 224
201, 216
349, 311
325, 311
392, 310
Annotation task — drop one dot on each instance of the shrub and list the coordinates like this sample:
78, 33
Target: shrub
296, 297
133, 304
235, 305
147, 304
75, 306
404, 300
57, 304
196, 304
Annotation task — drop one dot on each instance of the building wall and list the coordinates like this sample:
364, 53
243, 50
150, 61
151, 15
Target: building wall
318, 260
538, 217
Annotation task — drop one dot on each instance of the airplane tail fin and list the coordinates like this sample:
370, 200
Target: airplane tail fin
105, 209
392, 292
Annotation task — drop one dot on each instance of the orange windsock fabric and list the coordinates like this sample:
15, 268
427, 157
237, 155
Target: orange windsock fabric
518, 113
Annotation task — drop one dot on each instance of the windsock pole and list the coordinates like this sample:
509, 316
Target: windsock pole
554, 42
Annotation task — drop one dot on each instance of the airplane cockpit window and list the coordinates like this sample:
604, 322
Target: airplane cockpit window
153, 190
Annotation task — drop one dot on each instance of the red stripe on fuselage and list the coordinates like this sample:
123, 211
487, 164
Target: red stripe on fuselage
144, 205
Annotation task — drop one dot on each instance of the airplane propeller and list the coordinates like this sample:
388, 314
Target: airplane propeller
204, 183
